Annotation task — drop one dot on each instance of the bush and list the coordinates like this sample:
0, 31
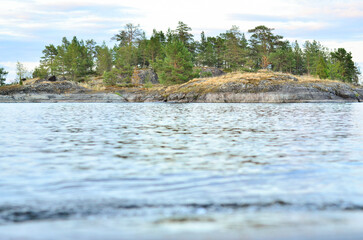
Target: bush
110, 78
205, 74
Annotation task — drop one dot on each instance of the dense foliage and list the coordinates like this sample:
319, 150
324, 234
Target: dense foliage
174, 55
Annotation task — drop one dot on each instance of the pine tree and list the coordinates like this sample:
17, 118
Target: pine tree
322, 68
177, 66
350, 72
264, 42
155, 46
3, 74
49, 59
103, 59
298, 63
235, 49
282, 58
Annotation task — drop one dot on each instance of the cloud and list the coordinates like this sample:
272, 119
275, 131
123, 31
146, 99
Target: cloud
26, 26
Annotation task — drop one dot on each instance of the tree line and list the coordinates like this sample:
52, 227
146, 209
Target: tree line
175, 55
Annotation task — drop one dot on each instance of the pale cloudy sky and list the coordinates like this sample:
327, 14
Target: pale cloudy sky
26, 26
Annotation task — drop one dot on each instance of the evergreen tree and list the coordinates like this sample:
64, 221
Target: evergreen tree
282, 58
142, 52
3, 74
235, 55
298, 64
103, 59
126, 58
312, 53
40, 72
49, 59
91, 54
349, 70
61, 57
177, 66
264, 42
322, 68
183, 34
155, 46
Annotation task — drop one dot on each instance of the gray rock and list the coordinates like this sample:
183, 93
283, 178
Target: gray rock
210, 72
142, 76
53, 98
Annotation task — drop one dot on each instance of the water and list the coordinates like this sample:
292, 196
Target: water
181, 171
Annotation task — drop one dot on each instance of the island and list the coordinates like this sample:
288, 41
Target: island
173, 67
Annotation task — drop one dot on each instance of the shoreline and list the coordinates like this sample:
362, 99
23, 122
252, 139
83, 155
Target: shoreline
137, 98
230, 88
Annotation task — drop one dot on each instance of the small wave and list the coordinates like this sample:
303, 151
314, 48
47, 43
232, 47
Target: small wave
12, 213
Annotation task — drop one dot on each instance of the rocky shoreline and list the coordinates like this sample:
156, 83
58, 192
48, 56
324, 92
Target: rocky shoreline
231, 88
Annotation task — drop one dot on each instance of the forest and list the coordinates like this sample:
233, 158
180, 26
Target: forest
176, 56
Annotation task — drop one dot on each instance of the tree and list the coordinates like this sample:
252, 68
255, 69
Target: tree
156, 43
91, 54
349, 71
263, 41
21, 72
76, 59
103, 59
126, 58
322, 68
49, 58
177, 66
3, 74
312, 53
129, 36
235, 49
298, 64
182, 33
282, 58
40, 72
142, 52
61, 58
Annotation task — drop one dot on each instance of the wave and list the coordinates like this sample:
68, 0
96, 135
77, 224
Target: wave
24, 213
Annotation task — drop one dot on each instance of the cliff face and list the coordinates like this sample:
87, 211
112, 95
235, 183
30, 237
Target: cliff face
234, 87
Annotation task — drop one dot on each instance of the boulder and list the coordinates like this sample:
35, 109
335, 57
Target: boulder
210, 72
52, 78
142, 76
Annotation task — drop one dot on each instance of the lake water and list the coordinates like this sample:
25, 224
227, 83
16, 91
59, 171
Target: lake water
181, 171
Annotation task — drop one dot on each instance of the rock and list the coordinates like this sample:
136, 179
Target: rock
62, 79
142, 76
210, 72
44, 87
52, 78
53, 98
236, 87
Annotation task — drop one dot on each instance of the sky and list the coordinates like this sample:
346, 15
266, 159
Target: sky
26, 26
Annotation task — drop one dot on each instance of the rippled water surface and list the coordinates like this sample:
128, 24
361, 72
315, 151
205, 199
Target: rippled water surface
181, 171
